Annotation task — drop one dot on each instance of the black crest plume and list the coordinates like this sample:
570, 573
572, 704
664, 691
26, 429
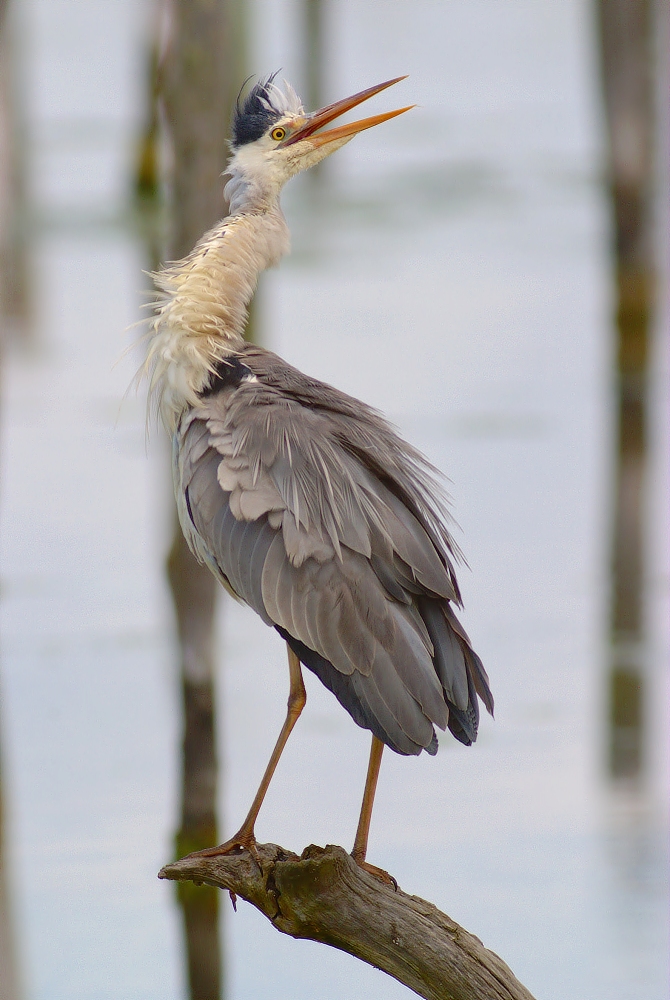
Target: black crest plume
254, 113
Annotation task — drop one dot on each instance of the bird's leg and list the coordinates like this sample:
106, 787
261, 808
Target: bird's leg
360, 847
361, 842
296, 702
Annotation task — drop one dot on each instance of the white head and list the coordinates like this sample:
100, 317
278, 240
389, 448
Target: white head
273, 139
201, 315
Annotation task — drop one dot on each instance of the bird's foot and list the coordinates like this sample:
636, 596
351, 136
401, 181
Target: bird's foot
244, 840
379, 873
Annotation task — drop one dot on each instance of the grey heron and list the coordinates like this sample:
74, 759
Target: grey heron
301, 500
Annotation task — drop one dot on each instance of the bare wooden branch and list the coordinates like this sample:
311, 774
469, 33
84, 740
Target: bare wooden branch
324, 896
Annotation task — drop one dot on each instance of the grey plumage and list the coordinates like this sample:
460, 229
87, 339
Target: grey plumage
309, 508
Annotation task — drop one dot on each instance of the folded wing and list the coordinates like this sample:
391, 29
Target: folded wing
307, 513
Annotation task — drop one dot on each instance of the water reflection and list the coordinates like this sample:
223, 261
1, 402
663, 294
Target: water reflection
194, 598
9, 985
194, 605
628, 74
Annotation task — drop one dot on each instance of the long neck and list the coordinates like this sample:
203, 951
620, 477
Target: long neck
202, 315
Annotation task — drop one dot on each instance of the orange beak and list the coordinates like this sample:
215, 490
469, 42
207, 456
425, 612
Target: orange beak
318, 119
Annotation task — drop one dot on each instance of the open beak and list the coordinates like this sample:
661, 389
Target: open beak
318, 119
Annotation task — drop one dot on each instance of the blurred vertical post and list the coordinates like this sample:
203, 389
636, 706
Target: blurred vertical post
15, 311
200, 77
627, 62
314, 53
12, 307
313, 66
9, 986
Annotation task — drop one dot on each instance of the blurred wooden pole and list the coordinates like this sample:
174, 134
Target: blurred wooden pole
200, 77
10, 306
627, 62
9, 979
314, 54
15, 299
314, 26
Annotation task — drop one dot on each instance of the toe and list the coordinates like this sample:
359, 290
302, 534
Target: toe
379, 873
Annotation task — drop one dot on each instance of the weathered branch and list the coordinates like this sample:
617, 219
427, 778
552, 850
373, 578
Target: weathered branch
324, 896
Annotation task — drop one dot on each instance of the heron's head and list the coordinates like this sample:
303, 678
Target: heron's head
273, 138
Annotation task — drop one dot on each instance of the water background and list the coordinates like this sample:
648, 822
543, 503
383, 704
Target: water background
451, 269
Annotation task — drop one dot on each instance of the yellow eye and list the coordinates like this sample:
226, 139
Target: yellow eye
278, 134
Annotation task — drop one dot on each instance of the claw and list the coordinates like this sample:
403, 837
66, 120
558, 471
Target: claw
242, 841
379, 873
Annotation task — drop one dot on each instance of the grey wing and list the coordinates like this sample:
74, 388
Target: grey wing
307, 536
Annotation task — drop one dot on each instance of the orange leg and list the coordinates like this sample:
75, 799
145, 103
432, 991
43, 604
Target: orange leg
296, 702
360, 847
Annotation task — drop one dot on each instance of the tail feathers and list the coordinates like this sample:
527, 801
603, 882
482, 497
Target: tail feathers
459, 669
481, 680
463, 724
475, 665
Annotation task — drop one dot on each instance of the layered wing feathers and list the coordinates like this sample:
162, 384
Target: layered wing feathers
312, 511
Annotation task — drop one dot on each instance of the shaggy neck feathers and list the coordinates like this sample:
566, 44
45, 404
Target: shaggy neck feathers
202, 313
